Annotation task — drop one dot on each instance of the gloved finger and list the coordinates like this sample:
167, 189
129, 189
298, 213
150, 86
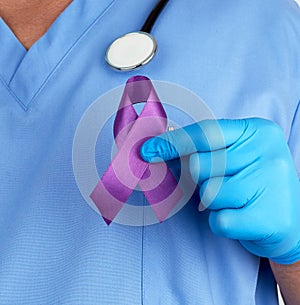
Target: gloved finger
238, 224
203, 166
223, 162
233, 192
211, 135
204, 136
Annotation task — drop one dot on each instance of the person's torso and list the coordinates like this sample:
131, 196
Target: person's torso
54, 249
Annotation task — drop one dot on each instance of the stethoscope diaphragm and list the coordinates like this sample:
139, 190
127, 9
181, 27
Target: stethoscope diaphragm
135, 49
131, 51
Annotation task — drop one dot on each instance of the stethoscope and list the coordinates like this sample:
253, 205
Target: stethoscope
135, 49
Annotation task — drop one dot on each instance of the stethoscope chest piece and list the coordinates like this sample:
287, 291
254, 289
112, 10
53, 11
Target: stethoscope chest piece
131, 51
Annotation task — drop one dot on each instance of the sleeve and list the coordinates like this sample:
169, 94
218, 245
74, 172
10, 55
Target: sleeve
294, 139
292, 30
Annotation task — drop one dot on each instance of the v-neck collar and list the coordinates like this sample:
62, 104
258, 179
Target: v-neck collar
25, 73
11, 52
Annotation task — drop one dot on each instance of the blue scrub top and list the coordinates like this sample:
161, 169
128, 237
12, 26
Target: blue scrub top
241, 57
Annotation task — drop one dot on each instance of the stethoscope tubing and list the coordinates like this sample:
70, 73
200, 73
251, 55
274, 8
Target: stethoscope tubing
119, 54
153, 16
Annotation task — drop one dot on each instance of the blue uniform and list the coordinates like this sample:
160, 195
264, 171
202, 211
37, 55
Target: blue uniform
241, 57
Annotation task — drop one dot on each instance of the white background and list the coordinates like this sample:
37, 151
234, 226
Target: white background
280, 298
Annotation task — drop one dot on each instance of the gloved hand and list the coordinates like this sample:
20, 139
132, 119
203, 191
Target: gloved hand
257, 201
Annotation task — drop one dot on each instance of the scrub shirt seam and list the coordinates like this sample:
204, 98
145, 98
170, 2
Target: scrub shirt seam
209, 278
142, 254
14, 96
253, 301
16, 71
76, 42
291, 127
294, 117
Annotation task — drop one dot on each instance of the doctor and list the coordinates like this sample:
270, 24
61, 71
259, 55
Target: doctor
243, 58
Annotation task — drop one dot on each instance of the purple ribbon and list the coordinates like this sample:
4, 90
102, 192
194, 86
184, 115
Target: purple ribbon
127, 169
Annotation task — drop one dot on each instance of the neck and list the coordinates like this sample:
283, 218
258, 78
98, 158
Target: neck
30, 19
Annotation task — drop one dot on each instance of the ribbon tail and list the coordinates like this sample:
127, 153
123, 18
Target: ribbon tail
110, 194
165, 196
163, 209
106, 203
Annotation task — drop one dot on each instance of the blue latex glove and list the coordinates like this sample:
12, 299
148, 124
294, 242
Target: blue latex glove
258, 200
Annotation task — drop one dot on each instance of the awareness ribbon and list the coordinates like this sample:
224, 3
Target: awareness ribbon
127, 169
